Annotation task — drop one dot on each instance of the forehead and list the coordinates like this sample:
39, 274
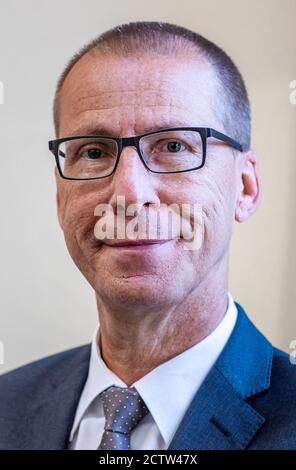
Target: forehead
136, 95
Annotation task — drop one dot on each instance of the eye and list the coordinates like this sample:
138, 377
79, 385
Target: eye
92, 153
173, 146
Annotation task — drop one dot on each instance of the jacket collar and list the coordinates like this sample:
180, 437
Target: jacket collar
219, 417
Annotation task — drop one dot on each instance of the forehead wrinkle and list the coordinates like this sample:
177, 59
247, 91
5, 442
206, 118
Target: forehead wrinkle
169, 108
107, 108
95, 121
124, 82
173, 105
123, 98
161, 94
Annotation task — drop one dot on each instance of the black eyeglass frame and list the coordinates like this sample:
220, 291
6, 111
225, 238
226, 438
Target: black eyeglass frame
134, 141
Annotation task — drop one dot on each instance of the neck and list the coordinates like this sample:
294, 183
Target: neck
133, 344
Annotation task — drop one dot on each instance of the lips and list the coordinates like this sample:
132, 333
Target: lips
134, 243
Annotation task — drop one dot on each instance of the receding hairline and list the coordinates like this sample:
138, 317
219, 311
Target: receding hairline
158, 38
98, 52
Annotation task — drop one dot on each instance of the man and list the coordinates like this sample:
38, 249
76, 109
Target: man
158, 116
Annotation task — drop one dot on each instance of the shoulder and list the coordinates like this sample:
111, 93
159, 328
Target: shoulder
31, 376
283, 374
267, 377
278, 406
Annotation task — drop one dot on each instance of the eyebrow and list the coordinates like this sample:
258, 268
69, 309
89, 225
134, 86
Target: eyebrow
94, 130
108, 132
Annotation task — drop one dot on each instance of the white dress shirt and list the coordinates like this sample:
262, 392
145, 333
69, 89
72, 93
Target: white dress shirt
167, 391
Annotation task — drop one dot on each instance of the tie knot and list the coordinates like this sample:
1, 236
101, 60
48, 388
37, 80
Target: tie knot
123, 408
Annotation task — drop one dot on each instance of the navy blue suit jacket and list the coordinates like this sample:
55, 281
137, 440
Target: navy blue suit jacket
247, 401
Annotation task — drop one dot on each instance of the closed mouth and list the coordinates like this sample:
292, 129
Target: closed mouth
135, 243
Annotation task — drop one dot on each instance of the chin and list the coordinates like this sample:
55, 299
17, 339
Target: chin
145, 290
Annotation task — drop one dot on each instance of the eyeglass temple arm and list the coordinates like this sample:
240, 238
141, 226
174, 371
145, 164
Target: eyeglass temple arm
218, 135
52, 148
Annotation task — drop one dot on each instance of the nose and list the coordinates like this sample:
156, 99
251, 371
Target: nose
134, 181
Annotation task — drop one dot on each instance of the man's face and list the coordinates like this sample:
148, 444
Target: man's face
127, 97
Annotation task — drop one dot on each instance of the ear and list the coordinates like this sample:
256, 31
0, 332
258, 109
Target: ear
249, 187
58, 200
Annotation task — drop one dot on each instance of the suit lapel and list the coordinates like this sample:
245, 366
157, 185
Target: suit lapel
219, 416
53, 413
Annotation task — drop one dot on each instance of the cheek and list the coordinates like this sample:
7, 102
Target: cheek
214, 191
77, 205
218, 211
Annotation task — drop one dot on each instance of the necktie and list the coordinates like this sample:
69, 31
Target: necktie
124, 409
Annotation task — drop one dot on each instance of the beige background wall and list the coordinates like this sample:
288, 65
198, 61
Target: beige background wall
45, 303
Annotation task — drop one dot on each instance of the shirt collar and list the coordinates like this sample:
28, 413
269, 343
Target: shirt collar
169, 388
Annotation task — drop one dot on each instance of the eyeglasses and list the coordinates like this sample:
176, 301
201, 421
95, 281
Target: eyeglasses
174, 150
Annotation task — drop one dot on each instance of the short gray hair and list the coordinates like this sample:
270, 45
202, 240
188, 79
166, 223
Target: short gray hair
164, 38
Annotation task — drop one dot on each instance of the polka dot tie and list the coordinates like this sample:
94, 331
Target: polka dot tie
124, 409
